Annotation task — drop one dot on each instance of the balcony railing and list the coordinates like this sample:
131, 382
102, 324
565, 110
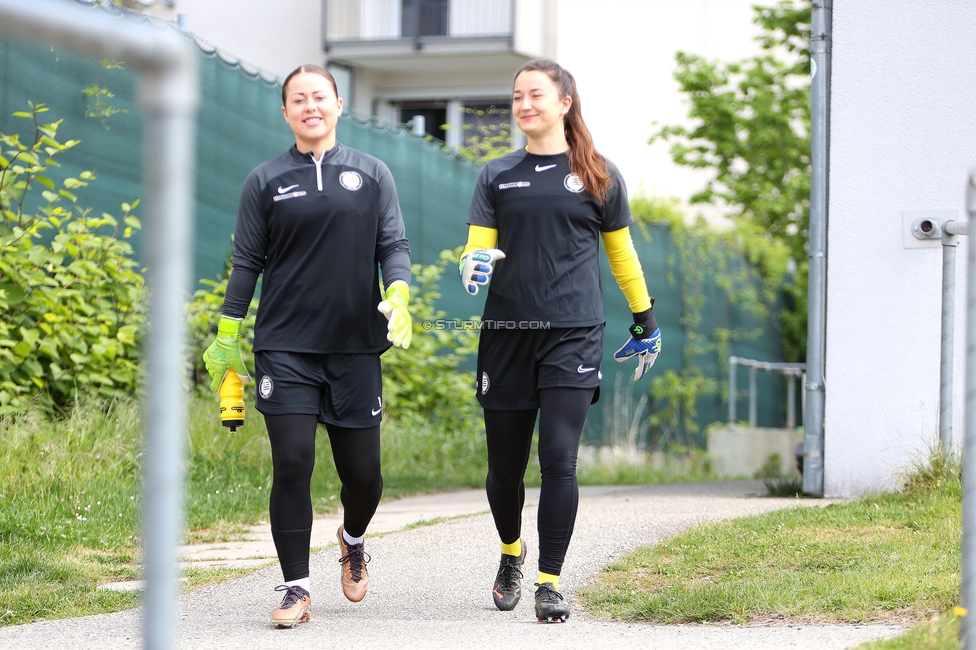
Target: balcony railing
386, 20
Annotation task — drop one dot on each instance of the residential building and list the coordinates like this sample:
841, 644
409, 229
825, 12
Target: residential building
400, 58
434, 58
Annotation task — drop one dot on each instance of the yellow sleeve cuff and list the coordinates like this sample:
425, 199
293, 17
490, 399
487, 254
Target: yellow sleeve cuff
626, 269
480, 237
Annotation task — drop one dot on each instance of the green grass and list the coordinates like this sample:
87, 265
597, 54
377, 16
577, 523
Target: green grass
939, 633
626, 469
71, 495
886, 557
70, 521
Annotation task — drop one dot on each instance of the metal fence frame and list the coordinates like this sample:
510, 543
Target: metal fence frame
169, 94
793, 371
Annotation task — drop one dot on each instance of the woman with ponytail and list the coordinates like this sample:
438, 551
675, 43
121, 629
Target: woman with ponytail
535, 225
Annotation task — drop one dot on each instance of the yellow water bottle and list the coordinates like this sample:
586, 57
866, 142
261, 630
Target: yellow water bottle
232, 401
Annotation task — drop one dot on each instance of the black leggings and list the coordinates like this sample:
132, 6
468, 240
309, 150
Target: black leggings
562, 414
356, 453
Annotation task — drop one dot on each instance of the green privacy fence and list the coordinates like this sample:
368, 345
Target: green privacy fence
240, 125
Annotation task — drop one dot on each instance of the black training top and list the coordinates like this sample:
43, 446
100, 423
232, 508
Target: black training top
548, 227
317, 231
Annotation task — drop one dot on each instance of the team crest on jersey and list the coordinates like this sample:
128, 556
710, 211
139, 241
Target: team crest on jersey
484, 383
352, 181
266, 387
573, 183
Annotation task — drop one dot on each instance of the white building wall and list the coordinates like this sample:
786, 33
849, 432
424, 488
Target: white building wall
530, 16
903, 133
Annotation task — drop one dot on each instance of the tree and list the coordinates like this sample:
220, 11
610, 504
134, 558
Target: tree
752, 128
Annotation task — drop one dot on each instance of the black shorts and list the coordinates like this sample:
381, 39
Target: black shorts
515, 364
341, 389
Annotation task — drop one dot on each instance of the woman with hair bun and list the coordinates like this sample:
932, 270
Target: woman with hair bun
320, 222
535, 225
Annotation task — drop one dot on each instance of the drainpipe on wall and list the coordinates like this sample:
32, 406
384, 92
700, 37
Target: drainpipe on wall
813, 417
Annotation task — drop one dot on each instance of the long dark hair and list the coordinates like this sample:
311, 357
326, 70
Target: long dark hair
584, 160
314, 69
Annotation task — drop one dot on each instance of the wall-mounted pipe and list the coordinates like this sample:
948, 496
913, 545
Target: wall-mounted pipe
950, 240
813, 416
169, 95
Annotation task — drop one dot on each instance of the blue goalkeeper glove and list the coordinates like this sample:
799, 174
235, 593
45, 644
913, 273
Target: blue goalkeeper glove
475, 268
644, 343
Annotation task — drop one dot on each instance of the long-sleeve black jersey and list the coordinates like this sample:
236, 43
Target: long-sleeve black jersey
548, 227
318, 230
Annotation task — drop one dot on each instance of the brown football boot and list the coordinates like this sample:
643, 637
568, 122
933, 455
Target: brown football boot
353, 559
295, 608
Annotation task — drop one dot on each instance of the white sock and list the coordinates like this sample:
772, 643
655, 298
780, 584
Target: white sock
304, 583
349, 539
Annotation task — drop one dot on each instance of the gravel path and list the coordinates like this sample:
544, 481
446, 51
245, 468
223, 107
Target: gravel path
430, 588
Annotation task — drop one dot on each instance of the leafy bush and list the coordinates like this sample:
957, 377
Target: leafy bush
425, 382
749, 269
71, 293
488, 137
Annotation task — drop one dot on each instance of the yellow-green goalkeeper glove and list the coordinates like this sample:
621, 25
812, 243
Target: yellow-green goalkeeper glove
225, 352
394, 307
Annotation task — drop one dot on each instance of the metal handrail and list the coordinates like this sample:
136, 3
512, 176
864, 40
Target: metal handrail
499, 23
793, 371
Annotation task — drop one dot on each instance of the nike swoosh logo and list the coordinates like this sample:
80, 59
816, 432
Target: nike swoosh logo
542, 169
282, 190
374, 412
581, 370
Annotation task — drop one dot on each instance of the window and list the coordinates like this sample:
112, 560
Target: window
434, 114
424, 18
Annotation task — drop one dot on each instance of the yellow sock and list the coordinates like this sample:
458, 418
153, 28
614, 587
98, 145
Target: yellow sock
515, 548
548, 577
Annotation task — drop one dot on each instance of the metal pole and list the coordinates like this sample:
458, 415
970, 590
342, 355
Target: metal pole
418, 125
813, 416
949, 243
169, 96
969, 441
169, 154
733, 364
803, 396
752, 396
791, 402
